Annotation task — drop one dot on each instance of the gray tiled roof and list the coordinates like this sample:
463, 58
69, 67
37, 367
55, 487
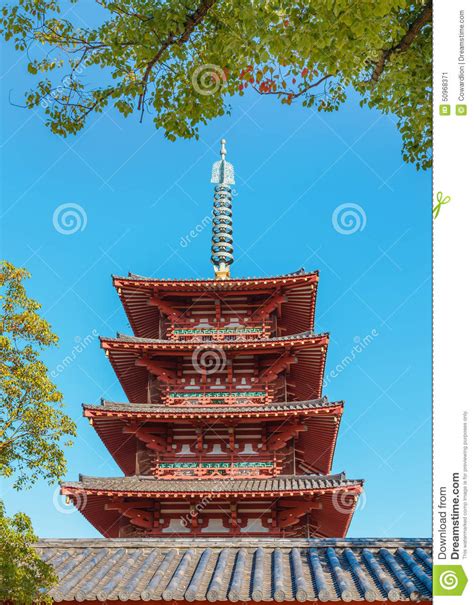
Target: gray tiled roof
150, 484
128, 338
298, 273
213, 409
242, 569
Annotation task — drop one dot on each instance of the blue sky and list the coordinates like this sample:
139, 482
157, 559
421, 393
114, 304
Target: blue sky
140, 195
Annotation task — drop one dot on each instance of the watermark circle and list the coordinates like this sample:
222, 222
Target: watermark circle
349, 218
209, 359
448, 580
69, 219
347, 502
68, 507
208, 79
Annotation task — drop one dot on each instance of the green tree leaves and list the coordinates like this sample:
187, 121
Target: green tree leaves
33, 427
143, 56
24, 577
33, 432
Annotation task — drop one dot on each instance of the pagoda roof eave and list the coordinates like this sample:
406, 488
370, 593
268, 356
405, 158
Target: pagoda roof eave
97, 498
137, 342
316, 444
132, 278
297, 311
310, 349
150, 487
156, 411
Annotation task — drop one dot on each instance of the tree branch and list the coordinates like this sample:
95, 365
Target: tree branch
294, 95
423, 18
192, 21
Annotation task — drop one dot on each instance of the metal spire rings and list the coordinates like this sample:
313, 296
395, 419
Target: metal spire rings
222, 249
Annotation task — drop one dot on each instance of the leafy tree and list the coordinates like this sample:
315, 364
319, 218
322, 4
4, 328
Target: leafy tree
32, 424
24, 577
33, 430
183, 61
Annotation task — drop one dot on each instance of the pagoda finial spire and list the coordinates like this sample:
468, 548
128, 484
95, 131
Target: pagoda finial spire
222, 249
223, 149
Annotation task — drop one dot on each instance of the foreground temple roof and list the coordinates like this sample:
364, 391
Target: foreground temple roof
244, 569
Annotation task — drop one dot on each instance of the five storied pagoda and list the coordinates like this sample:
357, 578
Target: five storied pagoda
224, 378
226, 447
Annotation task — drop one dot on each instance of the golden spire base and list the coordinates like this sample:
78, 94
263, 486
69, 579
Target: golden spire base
222, 273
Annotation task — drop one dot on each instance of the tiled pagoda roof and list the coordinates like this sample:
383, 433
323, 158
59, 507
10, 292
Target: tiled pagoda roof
297, 312
150, 485
307, 374
218, 283
150, 409
331, 499
315, 445
225, 344
245, 569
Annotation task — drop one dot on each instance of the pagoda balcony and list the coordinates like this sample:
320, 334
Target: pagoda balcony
149, 369
265, 466
137, 435
258, 394
249, 330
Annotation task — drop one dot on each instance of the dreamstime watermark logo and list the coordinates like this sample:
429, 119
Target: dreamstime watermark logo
448, 580
209, 359
65, 505
198, 229
347, 502
187, 519
335, 89
349, 218
370, 59
69, 219
360, 344
68, 82
208, 79
79, 347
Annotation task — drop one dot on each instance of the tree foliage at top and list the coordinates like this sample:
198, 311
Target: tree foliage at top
182, 62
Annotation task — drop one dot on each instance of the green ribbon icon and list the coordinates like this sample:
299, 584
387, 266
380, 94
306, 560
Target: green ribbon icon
448, 580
